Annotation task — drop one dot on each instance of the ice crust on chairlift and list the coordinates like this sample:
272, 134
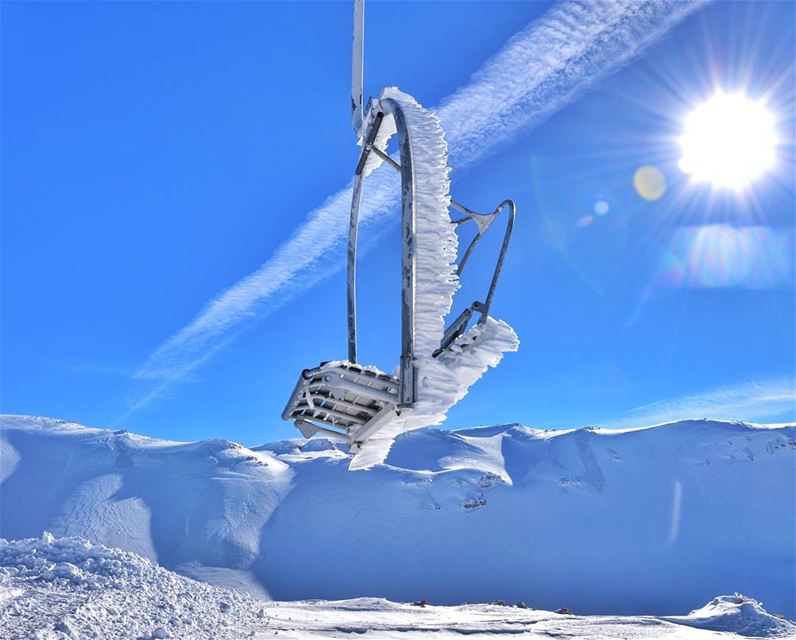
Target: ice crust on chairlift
360, 404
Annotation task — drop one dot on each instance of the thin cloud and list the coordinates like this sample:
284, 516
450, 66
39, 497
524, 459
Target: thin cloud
754, 400
541, 69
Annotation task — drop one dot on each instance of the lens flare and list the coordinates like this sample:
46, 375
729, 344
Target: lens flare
601, 207
719, 256
728, 141
649, 183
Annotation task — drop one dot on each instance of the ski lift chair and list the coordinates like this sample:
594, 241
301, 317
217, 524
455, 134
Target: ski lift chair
345, 399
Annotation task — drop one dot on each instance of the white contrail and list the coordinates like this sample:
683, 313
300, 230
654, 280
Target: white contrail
541, 68
754, 400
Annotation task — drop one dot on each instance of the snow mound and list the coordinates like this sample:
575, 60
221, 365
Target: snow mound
72, 588
640, 521
737, 614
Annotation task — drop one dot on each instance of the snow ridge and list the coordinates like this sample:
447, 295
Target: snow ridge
642, 521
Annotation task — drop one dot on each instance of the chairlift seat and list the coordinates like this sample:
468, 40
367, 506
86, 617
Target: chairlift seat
342, 400
361, 404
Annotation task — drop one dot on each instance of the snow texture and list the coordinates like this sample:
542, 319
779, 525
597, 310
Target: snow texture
70, 588
633, 522
737, 614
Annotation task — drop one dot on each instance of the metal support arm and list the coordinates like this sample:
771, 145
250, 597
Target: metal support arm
483, 221
408, 388
357, 65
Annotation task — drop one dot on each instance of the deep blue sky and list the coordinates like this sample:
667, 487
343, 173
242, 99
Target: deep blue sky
155, 153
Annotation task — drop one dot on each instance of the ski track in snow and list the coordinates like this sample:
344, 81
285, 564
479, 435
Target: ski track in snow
639, 521
69, 588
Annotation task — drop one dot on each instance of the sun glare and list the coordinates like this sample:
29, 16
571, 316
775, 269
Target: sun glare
728, 141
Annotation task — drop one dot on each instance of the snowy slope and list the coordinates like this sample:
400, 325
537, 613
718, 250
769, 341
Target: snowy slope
70, 588
648, 521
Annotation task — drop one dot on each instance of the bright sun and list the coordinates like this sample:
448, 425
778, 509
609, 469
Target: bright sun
728, 141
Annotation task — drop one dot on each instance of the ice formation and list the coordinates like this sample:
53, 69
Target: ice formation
442, 381
436, 242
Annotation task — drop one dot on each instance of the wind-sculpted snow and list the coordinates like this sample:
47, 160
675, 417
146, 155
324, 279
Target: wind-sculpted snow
646, 521
737, 614
194, 504
63, 588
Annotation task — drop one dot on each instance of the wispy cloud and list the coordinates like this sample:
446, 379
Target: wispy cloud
753, 400
542, 68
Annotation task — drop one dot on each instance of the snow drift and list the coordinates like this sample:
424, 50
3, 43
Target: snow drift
70, 588
653, 521
737, 614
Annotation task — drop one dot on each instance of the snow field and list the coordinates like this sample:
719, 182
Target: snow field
70, 588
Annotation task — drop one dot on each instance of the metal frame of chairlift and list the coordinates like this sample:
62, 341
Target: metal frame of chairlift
345, 399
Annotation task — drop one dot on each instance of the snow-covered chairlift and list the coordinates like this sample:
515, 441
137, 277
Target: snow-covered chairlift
361, 404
